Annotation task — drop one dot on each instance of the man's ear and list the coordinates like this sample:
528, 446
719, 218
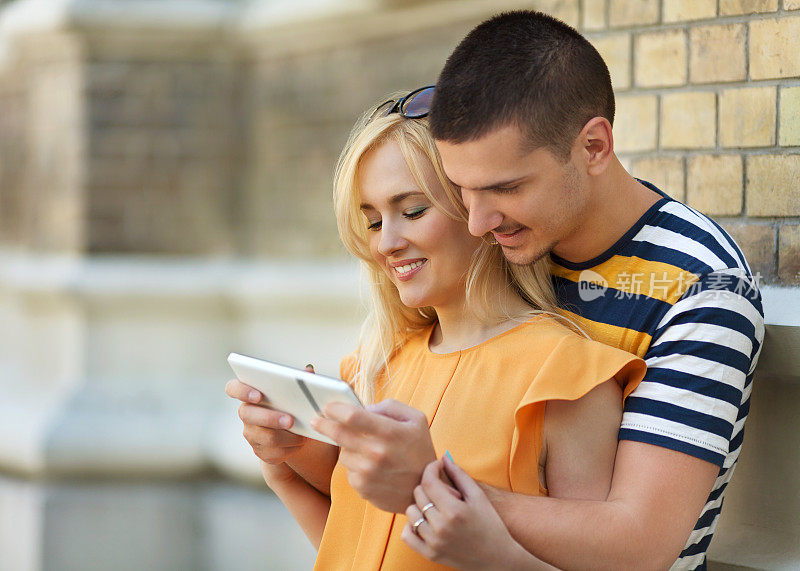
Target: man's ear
596, 141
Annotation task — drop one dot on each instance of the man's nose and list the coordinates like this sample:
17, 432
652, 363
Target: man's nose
483, 217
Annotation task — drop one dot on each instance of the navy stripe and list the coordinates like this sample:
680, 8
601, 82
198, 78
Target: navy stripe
700, 385
737, 440
712, 316
640, 313
715, 494
672, 444
690, 230
699, 547
704, 350
742, 261
725, 282
675, 413
708, 518
744, 409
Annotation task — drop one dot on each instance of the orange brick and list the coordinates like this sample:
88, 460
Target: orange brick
661, 59
757, 242
633, 12
771, 186
789, 253
594, 15
733, 7
715, 184
717, 53
688, 120
635, 124
664, 172
774, 45
682, 10
616, 51
747, 117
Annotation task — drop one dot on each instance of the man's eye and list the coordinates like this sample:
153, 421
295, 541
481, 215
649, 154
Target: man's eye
374, 226
505, 189
415, 212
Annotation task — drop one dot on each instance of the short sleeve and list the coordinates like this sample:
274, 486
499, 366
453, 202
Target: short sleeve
695, 396
574, 367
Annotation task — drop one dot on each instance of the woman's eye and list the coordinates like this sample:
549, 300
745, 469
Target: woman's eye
416, 212
374, 225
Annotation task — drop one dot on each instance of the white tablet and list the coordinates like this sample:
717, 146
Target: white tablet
298, 393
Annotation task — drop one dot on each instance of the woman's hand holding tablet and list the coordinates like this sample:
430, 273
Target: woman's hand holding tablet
299, 393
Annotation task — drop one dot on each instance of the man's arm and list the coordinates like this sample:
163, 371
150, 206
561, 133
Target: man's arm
656, 496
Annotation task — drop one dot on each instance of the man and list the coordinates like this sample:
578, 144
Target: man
523, 115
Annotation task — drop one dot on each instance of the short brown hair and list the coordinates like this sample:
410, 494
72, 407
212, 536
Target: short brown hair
524, 68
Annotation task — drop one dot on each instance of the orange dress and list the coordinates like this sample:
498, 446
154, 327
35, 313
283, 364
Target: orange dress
486, 406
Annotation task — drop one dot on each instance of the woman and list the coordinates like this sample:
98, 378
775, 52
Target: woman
460, 335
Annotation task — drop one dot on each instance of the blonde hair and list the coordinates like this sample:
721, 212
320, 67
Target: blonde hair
389, 323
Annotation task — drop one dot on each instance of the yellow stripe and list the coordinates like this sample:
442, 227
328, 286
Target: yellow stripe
635, 276
630, 340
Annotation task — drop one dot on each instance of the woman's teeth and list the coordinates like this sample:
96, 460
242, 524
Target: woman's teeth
408, 267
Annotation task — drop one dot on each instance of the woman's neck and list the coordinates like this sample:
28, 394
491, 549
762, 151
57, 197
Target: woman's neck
459, 329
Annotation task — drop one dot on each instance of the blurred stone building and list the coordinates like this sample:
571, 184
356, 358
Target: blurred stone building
165, 181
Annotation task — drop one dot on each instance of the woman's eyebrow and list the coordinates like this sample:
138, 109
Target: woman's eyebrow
394, 199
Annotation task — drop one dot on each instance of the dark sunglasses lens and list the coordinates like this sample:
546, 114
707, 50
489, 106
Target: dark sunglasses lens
382, 110
419, 104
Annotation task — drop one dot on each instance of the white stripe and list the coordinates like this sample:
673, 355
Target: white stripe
700, 367
688, 399
706, 332
680, 243
709, 299
687, 563
701, 221
676, 431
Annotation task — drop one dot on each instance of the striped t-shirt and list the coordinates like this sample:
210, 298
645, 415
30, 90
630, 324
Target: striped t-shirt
677, 291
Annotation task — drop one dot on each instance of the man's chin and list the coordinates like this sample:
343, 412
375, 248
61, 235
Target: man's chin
524, 256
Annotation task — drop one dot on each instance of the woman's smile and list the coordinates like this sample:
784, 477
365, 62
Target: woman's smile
407, 269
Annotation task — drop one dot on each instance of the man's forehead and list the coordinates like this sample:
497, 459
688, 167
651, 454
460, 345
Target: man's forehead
488, 161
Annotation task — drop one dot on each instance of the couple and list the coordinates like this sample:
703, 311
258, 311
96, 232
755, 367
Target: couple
473, 344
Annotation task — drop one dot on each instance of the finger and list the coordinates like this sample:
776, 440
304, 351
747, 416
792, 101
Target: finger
398, 411
444, 497
357, 419
422, 502
310, 368
266, 417
268, 438
415, 542
462, 481
245, 393
338, 432
423, 529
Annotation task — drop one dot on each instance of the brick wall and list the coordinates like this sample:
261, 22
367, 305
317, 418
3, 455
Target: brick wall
708, 100
214, 142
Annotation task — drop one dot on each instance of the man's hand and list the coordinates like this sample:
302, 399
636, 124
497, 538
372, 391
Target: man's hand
384, 447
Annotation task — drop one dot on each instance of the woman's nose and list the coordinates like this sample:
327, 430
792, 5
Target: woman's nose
391, 241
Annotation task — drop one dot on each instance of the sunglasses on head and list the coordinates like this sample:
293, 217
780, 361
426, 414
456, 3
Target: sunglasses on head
415, 105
